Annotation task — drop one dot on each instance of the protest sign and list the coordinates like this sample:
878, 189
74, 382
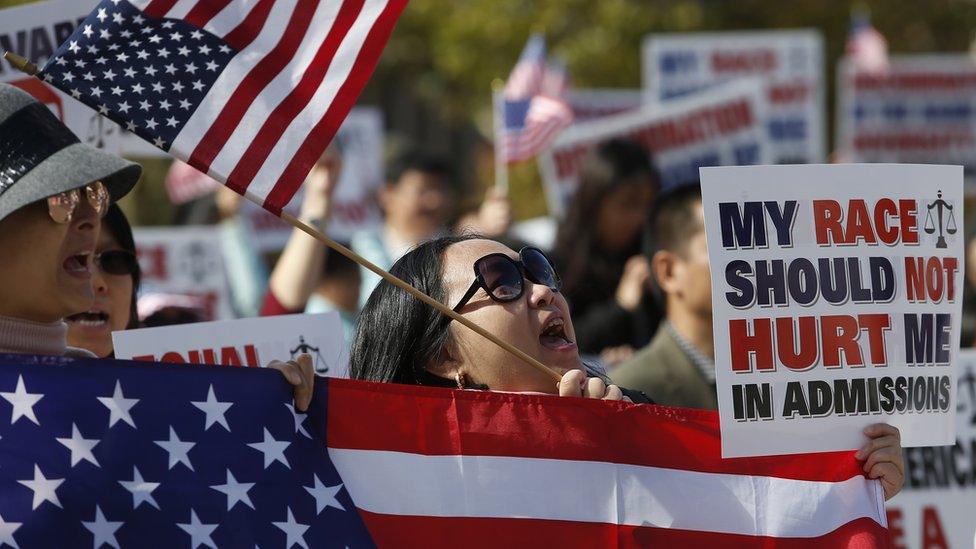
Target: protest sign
360, 141
250, 342
590, 103
836, 295
922, 110
938, 503
674, 65
34, 31
186, 261
721, 126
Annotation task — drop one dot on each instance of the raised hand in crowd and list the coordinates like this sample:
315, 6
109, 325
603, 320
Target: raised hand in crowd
633, 283
882, 457
493, 218
297, 271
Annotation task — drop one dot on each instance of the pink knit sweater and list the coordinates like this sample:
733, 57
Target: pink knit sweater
35, 338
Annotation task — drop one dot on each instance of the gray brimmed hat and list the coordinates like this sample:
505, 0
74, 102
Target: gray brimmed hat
40, 157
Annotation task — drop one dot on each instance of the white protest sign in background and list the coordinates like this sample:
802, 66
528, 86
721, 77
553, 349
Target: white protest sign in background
922, 110
937, 506
836, 295
675, 65
250, 342
360, 141
721, 126
35, 31
185, 261
590, 103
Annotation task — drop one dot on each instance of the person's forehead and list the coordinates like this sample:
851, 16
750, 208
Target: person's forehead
468, 251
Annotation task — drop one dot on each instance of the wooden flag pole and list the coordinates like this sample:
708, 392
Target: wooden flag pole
27, 67
444, 309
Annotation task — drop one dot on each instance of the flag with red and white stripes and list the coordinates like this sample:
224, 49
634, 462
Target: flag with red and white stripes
248, 91
428, 467
533, 106
866, 47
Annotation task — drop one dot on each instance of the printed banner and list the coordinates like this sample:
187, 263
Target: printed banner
34, 31
185, 261
251, 342
791, 61
360, 140
923, 110
591, 103
714, 128
836, 295
937, 506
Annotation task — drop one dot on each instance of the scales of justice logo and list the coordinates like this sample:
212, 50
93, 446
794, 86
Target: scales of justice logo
947, 223
319, 362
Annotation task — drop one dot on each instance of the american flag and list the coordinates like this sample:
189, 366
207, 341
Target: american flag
134, 454
247, 91
533, 105
185, 183
866, 47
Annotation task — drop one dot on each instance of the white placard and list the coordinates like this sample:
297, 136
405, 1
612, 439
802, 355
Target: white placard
360, 140
590, 103
922, 110
836, 296
937, 506
35, 31
186, 261
250, 342
722, 126
674, 65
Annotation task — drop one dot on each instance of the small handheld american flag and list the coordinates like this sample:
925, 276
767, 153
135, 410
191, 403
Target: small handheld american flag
249, 92
533, 108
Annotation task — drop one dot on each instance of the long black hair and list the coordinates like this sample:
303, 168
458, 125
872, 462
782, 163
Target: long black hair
117, 224
577, 251
397, 335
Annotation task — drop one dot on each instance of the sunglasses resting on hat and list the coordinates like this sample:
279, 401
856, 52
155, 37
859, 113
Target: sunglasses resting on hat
61, 207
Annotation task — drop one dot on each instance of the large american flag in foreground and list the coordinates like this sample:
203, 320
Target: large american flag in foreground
129, 454
532, 104
248, 91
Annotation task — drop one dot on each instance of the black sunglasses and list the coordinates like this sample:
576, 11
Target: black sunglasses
117, 262
503, 277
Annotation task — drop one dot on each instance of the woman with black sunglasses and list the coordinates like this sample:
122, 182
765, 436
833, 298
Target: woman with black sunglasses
513, 295
115, 282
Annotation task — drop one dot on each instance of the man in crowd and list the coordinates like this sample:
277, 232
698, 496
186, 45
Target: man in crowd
677, 368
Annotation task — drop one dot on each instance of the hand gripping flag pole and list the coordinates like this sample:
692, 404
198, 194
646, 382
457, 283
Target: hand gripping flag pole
30, 68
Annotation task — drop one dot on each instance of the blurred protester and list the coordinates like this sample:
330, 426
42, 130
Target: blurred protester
598, 250
516, 297
677, 368
967, 337
54, 191
159, 309
115, 281
418, 200
338, 290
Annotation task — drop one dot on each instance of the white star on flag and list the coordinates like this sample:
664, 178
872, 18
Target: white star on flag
7, 530
103, 530
299, 419
325, 496
45, 489
141, 490
22, 402
199, 533
273, 450
81, 448
119, 406
178, 449
294, 531
214, 409
235, 491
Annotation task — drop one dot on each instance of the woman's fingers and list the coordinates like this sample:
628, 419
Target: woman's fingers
594, 388
613, 393
876, 443
571, 383
890, 477
301, 375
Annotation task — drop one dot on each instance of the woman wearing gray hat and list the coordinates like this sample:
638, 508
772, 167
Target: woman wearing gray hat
54, 191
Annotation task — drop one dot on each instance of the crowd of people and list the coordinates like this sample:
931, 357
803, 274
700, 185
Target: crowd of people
619, 307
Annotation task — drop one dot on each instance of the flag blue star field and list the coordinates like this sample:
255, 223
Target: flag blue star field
250, 92
96, 453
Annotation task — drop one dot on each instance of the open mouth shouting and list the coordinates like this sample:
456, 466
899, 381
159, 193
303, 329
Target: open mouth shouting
78, 265
553, 335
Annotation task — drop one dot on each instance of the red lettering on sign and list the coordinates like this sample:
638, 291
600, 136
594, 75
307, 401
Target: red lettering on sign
930, 279
932, 534
896, 532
